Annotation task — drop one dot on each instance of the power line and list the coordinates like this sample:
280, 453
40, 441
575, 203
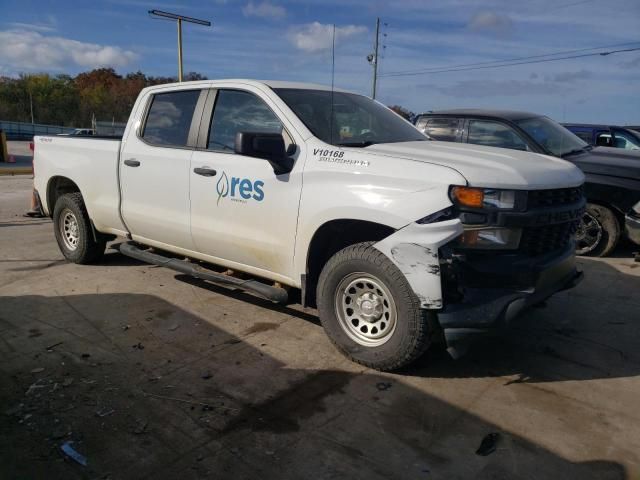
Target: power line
565, 52
456, 69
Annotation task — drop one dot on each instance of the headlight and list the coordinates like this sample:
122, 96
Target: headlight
488, 238
483, 197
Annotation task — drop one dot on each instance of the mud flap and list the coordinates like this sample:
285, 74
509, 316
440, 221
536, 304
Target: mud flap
414, 250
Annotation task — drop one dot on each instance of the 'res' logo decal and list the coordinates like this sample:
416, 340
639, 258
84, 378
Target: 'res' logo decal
239, 187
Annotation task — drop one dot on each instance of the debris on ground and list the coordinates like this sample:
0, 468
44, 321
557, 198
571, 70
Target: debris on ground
85, 355
173, 328
382, 386
73, 454
140, 427
207, 376
37, 370
488, 444
105, 412
67, 382
51, 347
138, 346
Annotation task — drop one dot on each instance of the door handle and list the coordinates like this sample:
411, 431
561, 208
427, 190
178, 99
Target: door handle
132, 162
205, 172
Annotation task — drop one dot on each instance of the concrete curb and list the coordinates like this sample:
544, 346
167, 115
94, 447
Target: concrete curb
16, 171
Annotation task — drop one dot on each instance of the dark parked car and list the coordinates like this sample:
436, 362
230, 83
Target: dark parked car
612, 175
606, 135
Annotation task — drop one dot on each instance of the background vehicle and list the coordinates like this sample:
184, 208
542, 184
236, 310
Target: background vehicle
606, 135
612, 182
398, 241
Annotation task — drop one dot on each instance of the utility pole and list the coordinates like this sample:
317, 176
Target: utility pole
375, 58
179, 19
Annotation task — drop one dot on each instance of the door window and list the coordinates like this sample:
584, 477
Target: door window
603, 139
445, 129
169, 119
494, 134
623, 140
237, 111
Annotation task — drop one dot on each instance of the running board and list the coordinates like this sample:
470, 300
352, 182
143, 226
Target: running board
275, 294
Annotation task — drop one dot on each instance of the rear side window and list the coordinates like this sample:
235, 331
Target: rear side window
494, 134
169, 118
237, 111
444, 129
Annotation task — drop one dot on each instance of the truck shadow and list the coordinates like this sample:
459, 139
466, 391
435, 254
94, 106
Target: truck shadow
145, 389
584, 334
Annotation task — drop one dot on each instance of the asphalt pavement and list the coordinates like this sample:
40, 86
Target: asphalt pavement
124, 370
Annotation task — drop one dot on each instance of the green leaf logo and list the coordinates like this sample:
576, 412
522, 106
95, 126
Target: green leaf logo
222, 187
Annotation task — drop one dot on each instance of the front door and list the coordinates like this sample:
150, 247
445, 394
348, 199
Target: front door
241, 211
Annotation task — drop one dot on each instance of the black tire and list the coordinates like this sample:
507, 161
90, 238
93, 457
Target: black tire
599, 232
86, 250
413, 328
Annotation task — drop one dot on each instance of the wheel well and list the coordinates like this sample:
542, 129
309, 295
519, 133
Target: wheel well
59, 186
329, 239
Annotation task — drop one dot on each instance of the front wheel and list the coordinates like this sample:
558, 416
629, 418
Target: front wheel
598, 232
73, 230
369, 310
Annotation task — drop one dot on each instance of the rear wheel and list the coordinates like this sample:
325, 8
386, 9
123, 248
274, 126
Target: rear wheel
369, 310
598, 232
73, 230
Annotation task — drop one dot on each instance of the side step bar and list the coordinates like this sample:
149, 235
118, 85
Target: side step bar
275, 294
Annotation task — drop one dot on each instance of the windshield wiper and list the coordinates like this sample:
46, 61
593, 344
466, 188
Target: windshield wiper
573, 152
363, 144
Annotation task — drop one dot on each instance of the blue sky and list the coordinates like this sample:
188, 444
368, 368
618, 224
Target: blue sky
277, 39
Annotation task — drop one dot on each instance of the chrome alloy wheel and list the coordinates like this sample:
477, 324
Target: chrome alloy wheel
69, 229
365, 309
588, 235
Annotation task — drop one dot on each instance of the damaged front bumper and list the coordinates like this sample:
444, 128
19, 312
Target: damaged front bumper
474, 293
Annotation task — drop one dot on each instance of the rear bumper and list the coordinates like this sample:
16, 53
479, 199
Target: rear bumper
632, 228
483, 311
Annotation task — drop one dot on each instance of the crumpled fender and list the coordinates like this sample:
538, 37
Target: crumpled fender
414, 250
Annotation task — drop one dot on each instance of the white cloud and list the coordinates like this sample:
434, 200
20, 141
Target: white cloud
264, 9
491, 21
29, 50
316, 36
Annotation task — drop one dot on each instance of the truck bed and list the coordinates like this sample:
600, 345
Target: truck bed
92, 164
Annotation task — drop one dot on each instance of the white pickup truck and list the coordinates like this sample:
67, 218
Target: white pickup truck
323, 197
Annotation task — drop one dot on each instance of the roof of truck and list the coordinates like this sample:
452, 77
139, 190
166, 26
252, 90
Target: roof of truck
247, 81
481, 112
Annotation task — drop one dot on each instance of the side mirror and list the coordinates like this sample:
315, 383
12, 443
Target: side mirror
269, 146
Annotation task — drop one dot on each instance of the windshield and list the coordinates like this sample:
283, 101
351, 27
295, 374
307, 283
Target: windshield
552, 136
357, 121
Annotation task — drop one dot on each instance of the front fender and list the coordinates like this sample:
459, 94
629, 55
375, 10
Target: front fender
414, 250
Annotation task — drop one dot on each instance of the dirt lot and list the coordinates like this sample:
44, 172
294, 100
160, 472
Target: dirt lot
153, 375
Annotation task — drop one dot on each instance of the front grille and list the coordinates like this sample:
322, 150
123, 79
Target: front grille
553, 198
540, 240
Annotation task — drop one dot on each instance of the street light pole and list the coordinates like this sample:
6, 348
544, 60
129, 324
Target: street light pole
179, 19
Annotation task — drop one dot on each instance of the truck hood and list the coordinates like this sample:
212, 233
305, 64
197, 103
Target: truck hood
488, 166
613, 162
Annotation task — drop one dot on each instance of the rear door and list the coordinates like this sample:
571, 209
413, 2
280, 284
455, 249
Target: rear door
241, 211
155, 165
